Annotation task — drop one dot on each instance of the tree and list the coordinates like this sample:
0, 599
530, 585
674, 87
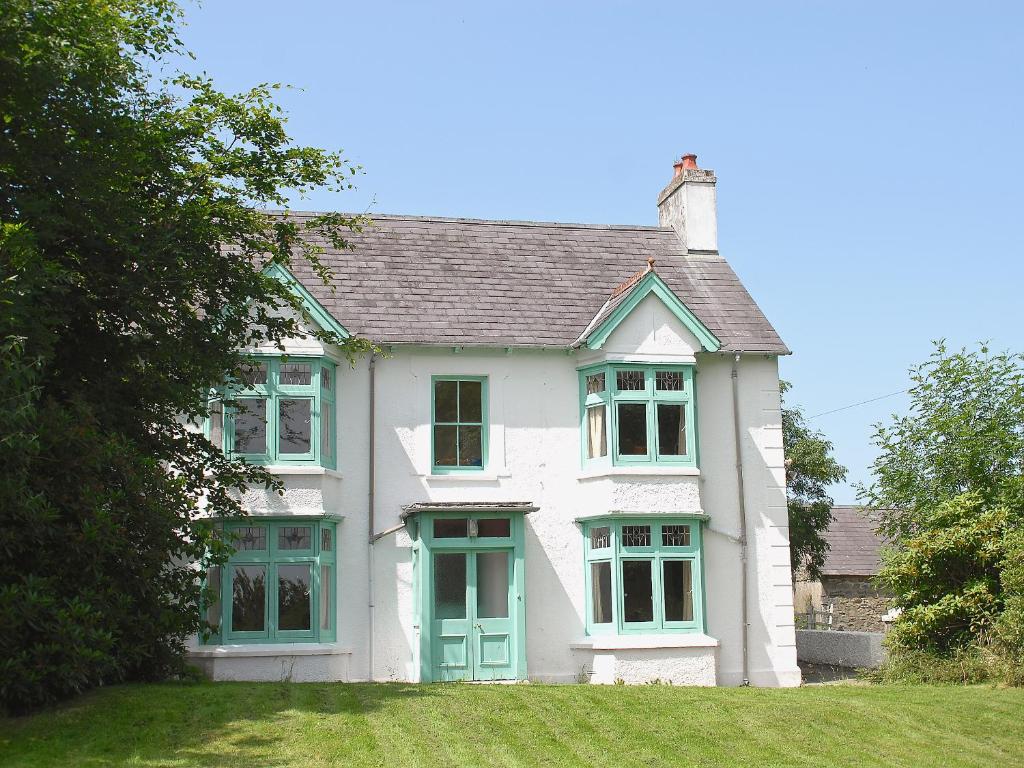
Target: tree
949, 479
133, 239
810, 469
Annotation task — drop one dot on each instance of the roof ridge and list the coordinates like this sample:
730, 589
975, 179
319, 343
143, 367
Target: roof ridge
466, 220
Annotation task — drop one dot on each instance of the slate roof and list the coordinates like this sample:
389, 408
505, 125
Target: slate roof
854, 543
465, 282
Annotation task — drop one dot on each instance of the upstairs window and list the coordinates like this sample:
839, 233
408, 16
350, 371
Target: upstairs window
638, 414
283, 412
459, 423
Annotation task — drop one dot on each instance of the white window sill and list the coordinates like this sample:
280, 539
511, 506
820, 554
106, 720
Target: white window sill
643, 642
268, 649
464, 477
302, 469
644, 471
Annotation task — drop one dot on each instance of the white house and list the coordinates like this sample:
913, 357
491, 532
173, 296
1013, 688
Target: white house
567, 466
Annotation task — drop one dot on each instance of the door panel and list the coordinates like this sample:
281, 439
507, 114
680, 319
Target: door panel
492, 659
452, 622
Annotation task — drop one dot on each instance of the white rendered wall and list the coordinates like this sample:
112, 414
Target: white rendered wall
534, 455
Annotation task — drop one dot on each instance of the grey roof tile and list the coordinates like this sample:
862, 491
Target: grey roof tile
854, 542
445, 281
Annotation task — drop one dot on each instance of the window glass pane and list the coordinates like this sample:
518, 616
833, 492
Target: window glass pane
250, 539
254, 374
293, 596
325, 378
677, 581
445, 446
632, 429
637, 601
671, 430
295, 537
446, 401
450, 586
494, 528
601, 592
675, 535
326, 539
213, 606
217, 424
325, 430
251, 426
326, 589
296, 374
597, 435
457, 528
669, 381
629, 380
600, 538
294, 428
595, 383
492, 585
636, 535
470, 401
248, 598
470, 448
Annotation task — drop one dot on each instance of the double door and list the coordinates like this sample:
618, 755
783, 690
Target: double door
472, 629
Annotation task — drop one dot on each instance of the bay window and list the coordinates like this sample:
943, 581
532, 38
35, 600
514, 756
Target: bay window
283, 412
279, 584
643, 575
638, 414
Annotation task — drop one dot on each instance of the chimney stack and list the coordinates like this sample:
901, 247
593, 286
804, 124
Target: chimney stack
689, 205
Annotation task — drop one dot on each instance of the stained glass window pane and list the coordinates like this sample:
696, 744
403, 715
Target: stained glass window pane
295, 537
597, 435
449, 586
677, 584
294, 426
669, 381
470, 401
671, 430
675, 535
326, 588
629, 380
636, 535
326, 539
325, 378
293, 596
637, 597
494, 528
595, 383
632, 429
446, 402
217, 424
470, 447
251, 426
296, 374
601, 592
325, 430
600, 538
213, 606
254, 374
250, 539
248, 598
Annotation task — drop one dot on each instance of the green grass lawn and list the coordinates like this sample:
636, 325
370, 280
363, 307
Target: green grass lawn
248, 724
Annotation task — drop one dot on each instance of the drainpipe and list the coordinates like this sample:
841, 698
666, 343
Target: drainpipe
370, 506
737, 432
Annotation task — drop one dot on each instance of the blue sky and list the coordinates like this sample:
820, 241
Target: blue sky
869, 155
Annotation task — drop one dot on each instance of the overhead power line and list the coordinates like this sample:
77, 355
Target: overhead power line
854, 405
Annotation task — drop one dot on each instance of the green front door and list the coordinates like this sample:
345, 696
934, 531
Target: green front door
469, 574
473, 633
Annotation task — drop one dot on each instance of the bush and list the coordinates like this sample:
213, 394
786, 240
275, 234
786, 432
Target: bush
977, 664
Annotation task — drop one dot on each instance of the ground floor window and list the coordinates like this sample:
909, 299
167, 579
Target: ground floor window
278, 586
644, 575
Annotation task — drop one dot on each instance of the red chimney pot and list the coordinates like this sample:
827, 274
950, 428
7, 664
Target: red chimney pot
689, 161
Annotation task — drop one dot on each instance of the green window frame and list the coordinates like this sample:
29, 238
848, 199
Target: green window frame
643, 575
257, 596
459, 424
638, 414
254, 420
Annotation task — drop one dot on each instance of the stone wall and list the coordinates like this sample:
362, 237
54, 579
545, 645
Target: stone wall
857, 614
852, 650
